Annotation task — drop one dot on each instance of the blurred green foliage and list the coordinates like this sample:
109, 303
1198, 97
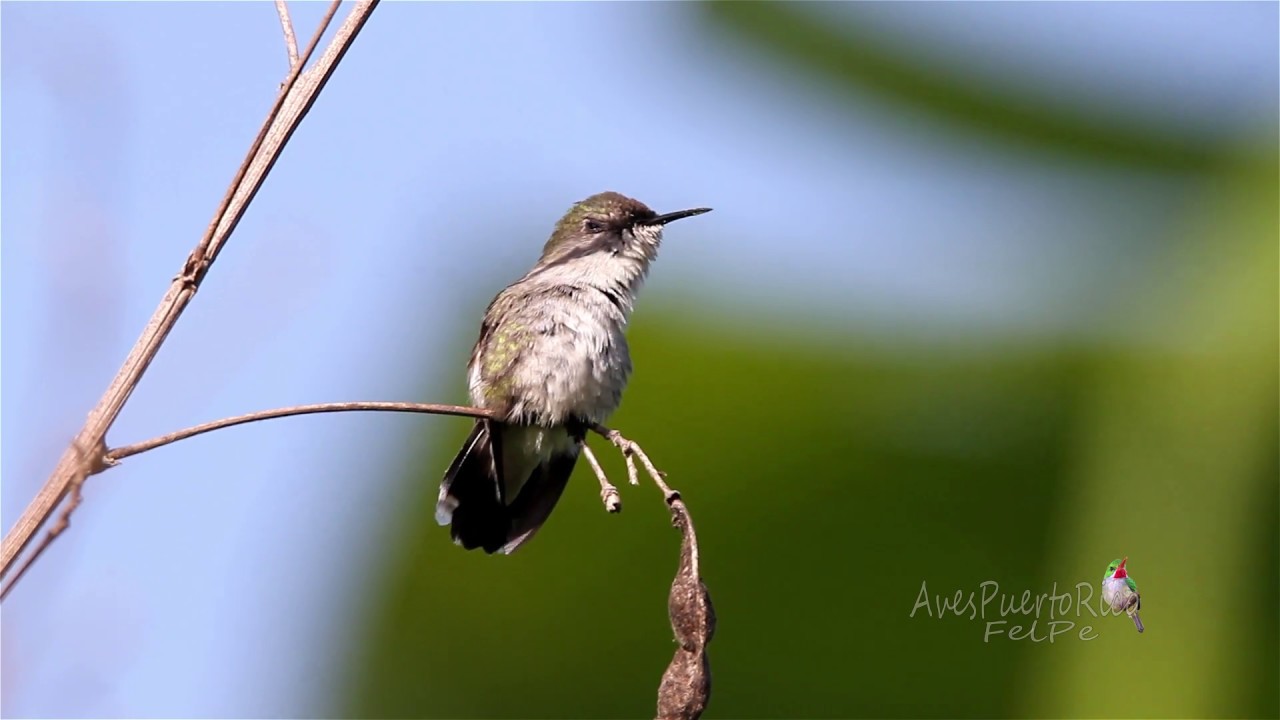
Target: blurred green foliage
862, 61
831, 474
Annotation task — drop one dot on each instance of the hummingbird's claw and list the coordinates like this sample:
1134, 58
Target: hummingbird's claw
612, 503
608, 493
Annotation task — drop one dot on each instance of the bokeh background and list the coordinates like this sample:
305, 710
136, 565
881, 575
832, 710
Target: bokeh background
989, 294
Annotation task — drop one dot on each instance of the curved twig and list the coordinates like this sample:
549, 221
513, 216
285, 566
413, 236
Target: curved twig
116, 454
686, 685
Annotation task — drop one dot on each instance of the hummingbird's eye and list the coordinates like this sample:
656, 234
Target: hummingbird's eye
593, 226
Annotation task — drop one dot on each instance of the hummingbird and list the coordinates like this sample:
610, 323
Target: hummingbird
552, 357
1121, 592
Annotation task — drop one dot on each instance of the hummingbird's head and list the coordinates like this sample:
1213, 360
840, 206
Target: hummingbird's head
609, 226
1116, 568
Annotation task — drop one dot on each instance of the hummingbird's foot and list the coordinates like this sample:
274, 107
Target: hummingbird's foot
632, 450
608, 493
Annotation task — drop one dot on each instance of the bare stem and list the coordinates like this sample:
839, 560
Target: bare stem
121, 453
686, 685
608, 493
296, 96
290, 40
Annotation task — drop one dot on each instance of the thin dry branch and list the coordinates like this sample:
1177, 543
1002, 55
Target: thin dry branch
290, 40
686, 685
116, 454
296, 97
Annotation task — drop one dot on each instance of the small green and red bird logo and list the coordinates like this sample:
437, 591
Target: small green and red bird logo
1121, 592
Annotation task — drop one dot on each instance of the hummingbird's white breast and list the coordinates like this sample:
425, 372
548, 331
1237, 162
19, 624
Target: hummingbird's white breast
574, 361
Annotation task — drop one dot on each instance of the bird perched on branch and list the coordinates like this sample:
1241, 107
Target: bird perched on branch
1121, 591
552, 357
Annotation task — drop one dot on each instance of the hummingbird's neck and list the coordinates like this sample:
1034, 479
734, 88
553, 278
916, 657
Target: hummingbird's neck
619, 269
618, 279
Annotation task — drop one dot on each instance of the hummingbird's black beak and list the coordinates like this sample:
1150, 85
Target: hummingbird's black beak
673, 216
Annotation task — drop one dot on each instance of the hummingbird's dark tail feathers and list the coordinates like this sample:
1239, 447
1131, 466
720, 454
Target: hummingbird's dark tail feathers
471, 501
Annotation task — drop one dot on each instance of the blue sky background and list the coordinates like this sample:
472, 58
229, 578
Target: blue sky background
209, 577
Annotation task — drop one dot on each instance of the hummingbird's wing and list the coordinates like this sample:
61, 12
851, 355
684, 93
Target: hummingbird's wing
538, 497
1133, 586
505, 339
